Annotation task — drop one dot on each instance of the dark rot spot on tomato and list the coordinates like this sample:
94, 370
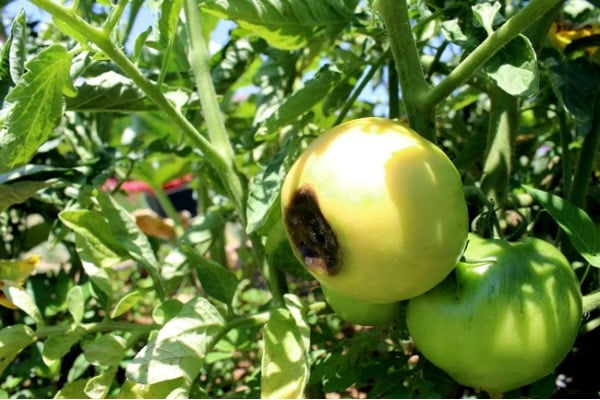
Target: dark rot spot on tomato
311, 234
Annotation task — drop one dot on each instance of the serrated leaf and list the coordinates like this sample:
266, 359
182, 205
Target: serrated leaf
178, 350
75, 303
300, 101
13, 339
514, 68
109, 91
106, 350
285, 24
34, 106
92, 227
575, 222
217, 281
12, 63
285, 367
167, 21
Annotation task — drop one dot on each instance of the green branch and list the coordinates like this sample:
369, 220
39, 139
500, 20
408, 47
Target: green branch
200, 61
503, 125
408, 64
478, 57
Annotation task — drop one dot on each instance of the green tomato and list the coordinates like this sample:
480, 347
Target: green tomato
361, 312
374, 211
506, 318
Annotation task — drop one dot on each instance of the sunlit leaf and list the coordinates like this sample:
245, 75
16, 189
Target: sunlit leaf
575, 222
285, 24
13, 339
285, 367
35, 106
177, 352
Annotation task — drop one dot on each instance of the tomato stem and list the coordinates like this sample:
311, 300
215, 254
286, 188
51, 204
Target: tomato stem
408, 65
482, 53
503, 125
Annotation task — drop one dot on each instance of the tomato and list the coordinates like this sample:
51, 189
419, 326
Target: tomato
361, 312
374, 211
506, 318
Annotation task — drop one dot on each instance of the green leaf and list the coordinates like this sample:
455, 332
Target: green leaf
106, 350
124, 229
300, 101
178, 350
19, 192
217, 281
97, 242
98, 276
285, 24
127, 302
16, 272
170, 389
166, 310
167, 22
13, 339
576, 83
285, 367
514, 68
56, 346
575, 222
34, 106
73, 390
20, 298
76, 303
263, 198
98, 386
487, 15
12, 62
109, 91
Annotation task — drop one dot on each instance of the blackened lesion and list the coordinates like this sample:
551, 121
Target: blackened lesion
311, 234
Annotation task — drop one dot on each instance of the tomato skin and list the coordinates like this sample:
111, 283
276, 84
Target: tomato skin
361, 312
506, 318
393, 201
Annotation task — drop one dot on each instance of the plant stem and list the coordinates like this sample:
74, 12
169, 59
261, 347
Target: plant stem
200, 61
408, 64
393, 93
503, 125
359, 88
92, 327
565, 140
585, 165
591, 302
477, 58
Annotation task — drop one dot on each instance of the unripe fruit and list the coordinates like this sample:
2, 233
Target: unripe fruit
374, 211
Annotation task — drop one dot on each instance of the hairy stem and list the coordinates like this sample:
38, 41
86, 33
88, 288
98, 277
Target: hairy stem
408, 64
200, 61
503, 125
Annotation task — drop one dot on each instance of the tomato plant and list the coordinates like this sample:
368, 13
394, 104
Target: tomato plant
400, 240
259, 115
510, 313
